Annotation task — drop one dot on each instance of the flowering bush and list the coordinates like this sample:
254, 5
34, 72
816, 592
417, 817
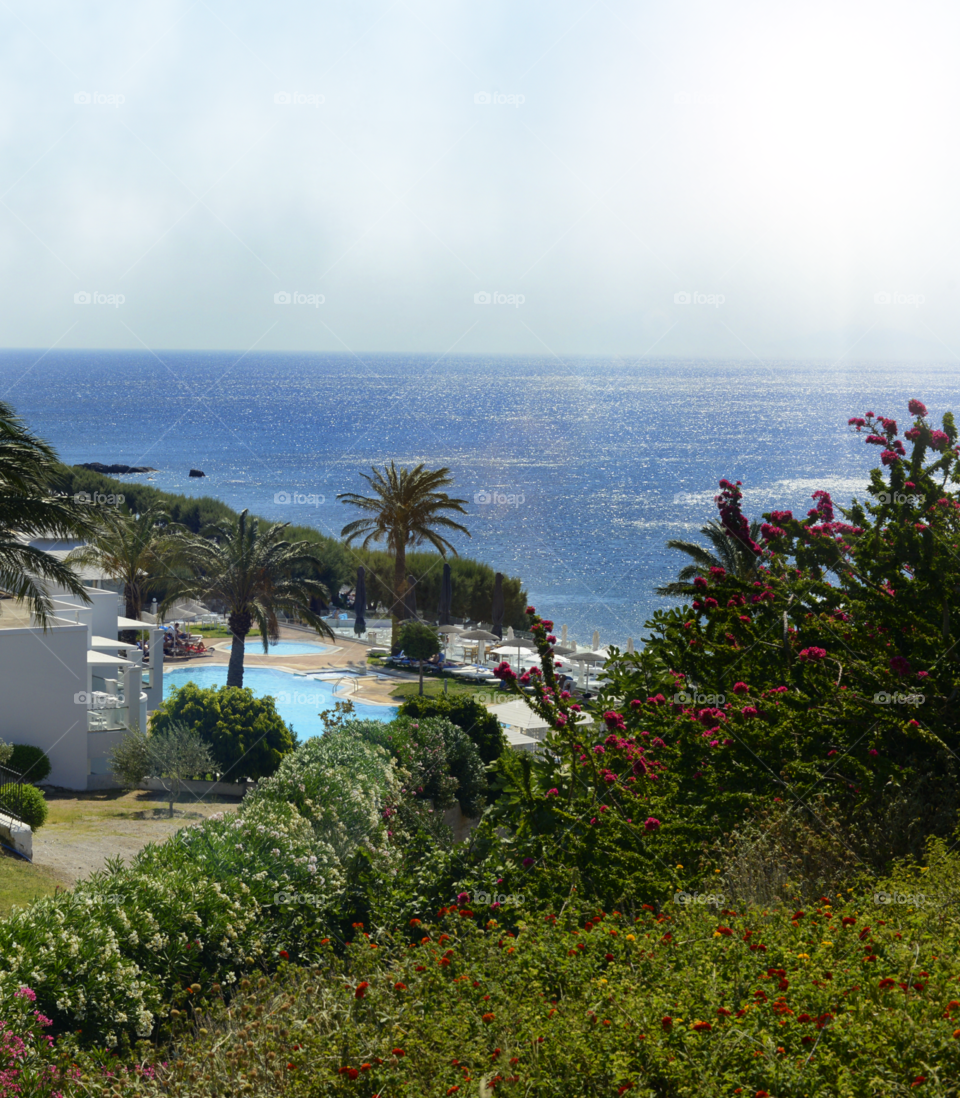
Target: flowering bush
822, 1000
110, 956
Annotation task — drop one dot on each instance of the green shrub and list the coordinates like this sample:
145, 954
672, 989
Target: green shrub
475, 719
30, 761
442, 762
246, 735
29, 804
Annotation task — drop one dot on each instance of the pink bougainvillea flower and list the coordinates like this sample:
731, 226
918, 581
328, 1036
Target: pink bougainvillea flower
651, 824
813, 654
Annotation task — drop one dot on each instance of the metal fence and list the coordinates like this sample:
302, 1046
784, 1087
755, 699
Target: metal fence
11, 795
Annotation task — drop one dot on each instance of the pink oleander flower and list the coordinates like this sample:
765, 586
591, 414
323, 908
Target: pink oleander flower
874, 752
750, 711
553, 792
561, 719
741, 688
700, 583
710, 603
889, 457
938, 440
718, 572
917, 407
651, 824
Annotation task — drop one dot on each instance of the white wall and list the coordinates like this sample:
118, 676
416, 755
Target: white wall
39, 675
101, 612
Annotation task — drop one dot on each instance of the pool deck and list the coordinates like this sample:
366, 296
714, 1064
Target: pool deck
344, 655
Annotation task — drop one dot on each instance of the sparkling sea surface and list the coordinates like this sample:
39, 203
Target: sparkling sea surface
576, 472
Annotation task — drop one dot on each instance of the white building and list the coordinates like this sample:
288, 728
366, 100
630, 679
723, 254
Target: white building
75, 688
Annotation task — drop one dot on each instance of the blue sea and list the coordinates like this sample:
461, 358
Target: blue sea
576, 472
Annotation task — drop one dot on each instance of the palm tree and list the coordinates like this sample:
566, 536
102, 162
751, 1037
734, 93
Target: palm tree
405, 511
129, 548
249, 570
30, 508
729, 553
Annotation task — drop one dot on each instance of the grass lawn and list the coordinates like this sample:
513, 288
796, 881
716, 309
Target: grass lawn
99, 808
433, 687
22, 883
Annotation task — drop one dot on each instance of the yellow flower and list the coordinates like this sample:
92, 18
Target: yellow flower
631, 938
679, 867
601, 980
827, 943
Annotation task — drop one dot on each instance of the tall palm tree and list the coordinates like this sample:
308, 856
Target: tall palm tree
249, 570
31, 508
728, 552
406, 510
129, 548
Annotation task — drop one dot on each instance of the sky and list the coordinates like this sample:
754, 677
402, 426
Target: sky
601, 176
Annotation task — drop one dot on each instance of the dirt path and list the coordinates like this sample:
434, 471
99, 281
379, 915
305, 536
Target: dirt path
85, 830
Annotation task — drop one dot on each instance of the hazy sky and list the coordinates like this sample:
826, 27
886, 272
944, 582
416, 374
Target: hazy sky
781, 164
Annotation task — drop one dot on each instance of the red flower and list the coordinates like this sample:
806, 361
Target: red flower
725, 931
399, 987
741, 688
608, 956
702, 1027
723, 1012
666, 1022
284, 954
361, 990
488, 1018
399, 1052
452, 1090
414, 922
351, 1073
651, 824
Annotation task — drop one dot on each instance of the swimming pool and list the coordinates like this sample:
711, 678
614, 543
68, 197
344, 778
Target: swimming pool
299, 699
287, 648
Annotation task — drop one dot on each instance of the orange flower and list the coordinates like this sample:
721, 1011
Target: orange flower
488, 1018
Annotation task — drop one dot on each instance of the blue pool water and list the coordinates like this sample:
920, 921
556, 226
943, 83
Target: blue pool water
299, 699
287, 648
